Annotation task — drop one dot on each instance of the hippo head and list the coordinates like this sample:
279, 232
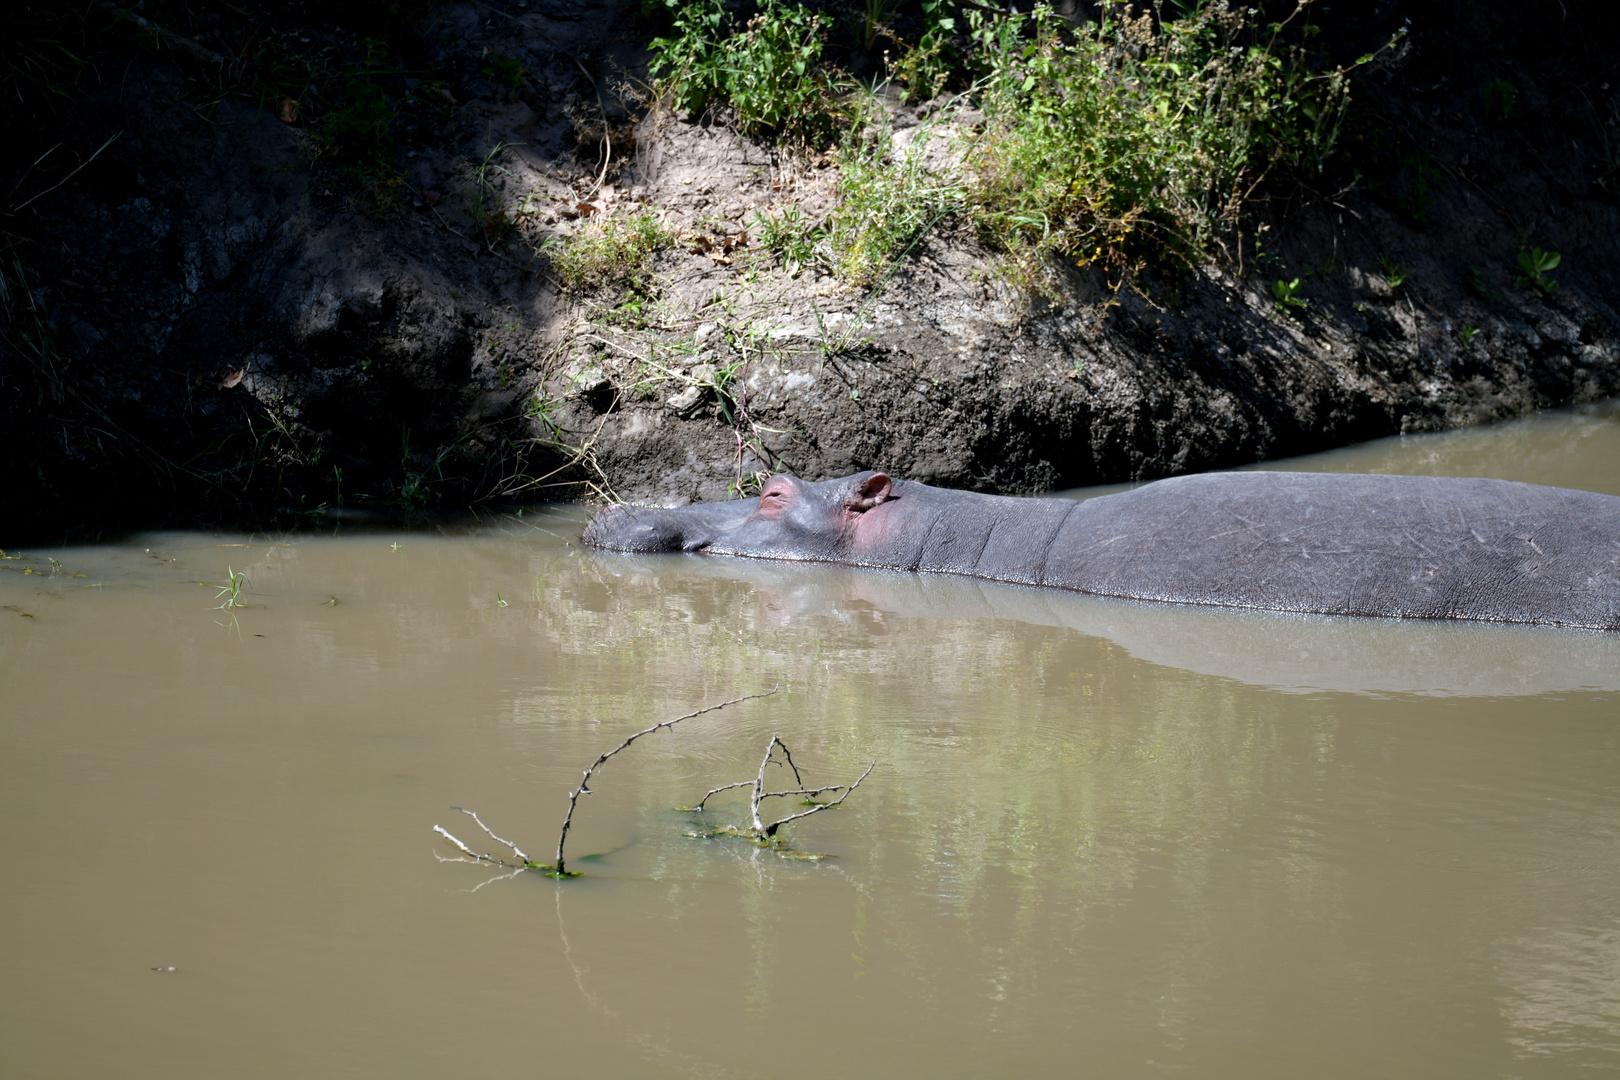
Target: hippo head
791, 519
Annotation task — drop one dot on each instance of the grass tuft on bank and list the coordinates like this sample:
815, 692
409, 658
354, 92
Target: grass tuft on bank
1137, 141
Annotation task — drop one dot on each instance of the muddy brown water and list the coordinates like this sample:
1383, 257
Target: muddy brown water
1101, 839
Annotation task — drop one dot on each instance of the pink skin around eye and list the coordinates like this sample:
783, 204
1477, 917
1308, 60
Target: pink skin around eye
773, 498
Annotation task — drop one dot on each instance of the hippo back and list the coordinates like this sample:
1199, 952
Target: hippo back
1405, 546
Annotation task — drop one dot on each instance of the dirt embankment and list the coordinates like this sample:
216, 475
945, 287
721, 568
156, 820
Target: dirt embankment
233, 318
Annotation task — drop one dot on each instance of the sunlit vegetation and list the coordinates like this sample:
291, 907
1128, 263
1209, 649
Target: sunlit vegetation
1132, 142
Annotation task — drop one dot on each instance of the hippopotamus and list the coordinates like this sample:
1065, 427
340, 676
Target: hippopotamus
1414, 547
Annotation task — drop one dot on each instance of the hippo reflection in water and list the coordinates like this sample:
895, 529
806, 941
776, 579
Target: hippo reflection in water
1417, 547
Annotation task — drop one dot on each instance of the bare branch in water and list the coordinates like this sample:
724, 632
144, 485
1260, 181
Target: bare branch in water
465, 850
501, 839
789, 755
759, 781
806, 792
770, 830
718, 790
584, 782
763, 831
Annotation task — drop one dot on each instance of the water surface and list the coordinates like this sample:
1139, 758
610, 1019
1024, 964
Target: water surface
1102, 838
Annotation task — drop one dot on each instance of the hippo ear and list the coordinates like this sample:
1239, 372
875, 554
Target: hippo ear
868, 492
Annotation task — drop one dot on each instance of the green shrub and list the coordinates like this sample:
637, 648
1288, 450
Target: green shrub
504, 70
789, 234
360, 129
1535, 264
769, 69
618, 251
926, 67
886, 200
1134, 142
1286, 293
1498, 98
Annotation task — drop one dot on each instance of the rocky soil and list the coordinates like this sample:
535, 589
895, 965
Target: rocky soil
244, 331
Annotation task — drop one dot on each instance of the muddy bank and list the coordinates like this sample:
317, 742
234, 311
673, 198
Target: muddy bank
226, 317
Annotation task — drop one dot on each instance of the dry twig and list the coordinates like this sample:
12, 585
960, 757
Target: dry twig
584, 782
762, 832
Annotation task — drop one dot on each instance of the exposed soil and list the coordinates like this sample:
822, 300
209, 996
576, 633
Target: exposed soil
244, 331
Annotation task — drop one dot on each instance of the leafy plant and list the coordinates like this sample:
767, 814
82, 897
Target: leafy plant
1415, 199
1394, 276
873, 20
769, 69
617, 251
1534, 265
235, 585
886, 200
359, 130
543, 409
1466, 335
1286, 294
1141, 140
1498, 97
504, 70
483, 203
788, 233
925, 68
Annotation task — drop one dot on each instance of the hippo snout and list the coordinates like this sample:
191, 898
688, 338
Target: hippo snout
647, 529
629, 528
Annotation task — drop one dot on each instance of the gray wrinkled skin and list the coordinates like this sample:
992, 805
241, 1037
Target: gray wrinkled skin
1415, 547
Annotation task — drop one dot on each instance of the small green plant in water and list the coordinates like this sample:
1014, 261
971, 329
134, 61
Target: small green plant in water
232, 590
1534, 265
559, 869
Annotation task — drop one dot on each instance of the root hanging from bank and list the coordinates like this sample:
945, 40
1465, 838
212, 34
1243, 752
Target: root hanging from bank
760, 832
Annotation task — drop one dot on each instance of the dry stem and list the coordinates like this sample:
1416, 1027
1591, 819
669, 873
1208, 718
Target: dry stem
584, 782
770, 830
761, 830
501, 839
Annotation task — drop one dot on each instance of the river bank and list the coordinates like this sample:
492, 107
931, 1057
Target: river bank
229, 313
